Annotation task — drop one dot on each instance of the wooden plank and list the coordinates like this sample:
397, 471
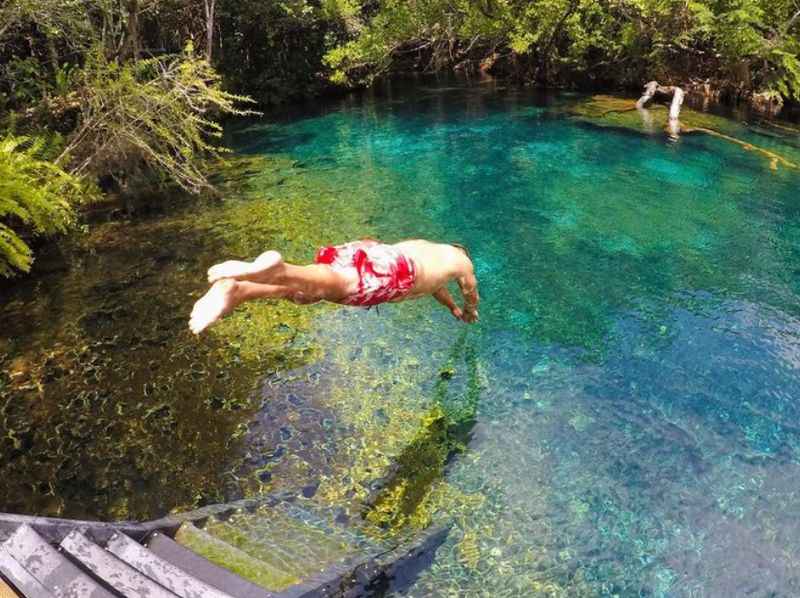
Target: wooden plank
23, 582
50, 568
20, 578
236, 559
203, 569
279, 570
403, 564
117, 574
160, 570
334, 580
391, 571
54, 530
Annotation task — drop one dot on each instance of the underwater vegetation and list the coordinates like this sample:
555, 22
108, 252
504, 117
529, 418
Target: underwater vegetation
411, 492
374, 441
100, 378
620, 422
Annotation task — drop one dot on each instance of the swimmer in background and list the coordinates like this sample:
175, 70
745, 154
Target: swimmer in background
361, 273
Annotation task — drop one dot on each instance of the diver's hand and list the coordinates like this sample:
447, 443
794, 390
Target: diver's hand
469, 315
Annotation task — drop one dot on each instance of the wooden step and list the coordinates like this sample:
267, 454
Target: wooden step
203, 569
278, 559
365, 537
310, 519
283, 547
23, 581
160, 570
288, 546
6, 591
50, 568
105, 566
240, 562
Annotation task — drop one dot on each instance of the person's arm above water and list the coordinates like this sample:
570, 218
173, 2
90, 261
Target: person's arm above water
469, 289
444, 297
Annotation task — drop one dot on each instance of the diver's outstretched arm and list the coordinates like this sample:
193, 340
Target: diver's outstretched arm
444, 297
469, 289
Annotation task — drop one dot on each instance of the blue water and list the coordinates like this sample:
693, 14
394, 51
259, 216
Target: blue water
638, 354
623, 418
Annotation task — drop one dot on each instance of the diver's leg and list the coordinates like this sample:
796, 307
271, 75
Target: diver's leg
259, 270
223, 297
270, 268
318, 280
300, 284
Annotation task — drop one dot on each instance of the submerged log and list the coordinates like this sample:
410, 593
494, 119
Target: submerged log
611, 111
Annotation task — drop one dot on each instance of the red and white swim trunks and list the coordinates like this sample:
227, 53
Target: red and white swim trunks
384, 273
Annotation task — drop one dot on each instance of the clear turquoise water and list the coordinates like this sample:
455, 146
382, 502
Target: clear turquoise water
638, 355
630, 391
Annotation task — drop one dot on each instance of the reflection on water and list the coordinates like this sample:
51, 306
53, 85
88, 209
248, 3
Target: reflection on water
627, 399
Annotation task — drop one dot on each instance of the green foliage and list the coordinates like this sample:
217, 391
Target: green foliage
36, 196
64, 79
152, 115
73, 66
273, 50
27, 86
750, 44
68, 20
24, 74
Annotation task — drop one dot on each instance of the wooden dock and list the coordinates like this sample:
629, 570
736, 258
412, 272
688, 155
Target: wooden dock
271, 547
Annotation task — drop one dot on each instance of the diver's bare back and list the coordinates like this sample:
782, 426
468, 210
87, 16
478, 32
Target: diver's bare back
361, 273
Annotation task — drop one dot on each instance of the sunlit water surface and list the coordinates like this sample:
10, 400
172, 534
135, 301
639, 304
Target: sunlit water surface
633, 380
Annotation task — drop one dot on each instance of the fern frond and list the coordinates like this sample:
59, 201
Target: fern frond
36, 198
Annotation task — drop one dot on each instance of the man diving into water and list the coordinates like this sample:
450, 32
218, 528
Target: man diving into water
361, 273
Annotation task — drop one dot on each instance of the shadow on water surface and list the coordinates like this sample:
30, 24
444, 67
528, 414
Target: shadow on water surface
401, 497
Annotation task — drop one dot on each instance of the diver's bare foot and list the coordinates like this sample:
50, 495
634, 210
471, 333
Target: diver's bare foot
259, 270
219, 301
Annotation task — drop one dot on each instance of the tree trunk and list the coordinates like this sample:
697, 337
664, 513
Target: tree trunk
132, 48
209, 6
648, 93
543, 64
52, 52
652, 89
